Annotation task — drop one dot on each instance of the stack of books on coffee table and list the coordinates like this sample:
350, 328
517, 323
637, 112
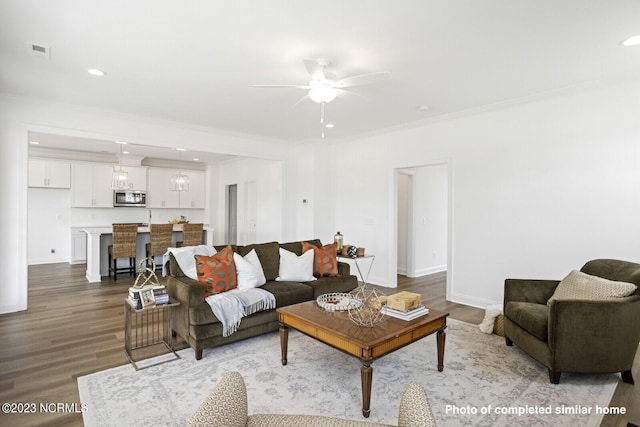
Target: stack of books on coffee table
414, 313
405, 305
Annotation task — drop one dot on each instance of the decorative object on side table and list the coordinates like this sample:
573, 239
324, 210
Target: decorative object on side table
338, 240
147, 275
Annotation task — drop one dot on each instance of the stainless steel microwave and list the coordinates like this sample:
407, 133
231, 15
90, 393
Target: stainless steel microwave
131, 198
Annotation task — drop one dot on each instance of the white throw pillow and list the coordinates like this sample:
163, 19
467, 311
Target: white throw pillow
185, 258
249, 270
295, 268
582, 286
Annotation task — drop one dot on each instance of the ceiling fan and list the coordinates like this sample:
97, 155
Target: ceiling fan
324, 86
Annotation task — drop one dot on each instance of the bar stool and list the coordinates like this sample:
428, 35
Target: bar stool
125, 238
191, 235
160, 241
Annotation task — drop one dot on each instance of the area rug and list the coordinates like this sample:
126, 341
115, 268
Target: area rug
484, 382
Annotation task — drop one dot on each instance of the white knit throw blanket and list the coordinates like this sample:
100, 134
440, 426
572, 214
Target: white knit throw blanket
231, 306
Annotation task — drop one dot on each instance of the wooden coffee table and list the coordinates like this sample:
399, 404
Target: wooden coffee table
365, 343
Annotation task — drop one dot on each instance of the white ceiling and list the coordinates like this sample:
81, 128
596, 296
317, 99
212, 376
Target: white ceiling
196, 61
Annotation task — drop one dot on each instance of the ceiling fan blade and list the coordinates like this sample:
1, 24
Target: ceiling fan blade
300, 100
362, 79
315, 70
282, 86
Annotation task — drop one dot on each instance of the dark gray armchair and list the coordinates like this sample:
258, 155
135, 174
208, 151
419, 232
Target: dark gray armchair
581, 336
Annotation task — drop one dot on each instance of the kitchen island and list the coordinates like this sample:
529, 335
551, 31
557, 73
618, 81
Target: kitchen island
99, 239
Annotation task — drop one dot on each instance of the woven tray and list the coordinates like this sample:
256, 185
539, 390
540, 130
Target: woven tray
338, 302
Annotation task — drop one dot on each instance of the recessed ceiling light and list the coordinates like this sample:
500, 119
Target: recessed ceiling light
330, 125
181, 149
95, 72
631, 41
121, 142
125, 152
34, 143
196, 159
424, 108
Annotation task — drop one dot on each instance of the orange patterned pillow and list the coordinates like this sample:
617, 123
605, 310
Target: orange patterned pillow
325, 260
217, 272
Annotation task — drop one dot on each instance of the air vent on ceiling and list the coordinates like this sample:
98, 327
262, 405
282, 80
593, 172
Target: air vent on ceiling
40, 51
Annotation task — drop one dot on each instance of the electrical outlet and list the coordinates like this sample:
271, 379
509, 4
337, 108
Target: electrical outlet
53, 251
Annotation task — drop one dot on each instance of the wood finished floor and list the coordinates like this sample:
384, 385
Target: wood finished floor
73, 328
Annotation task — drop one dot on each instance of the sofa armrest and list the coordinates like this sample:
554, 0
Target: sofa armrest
415, 410
188, 293
344, 269
526, 290
605, 332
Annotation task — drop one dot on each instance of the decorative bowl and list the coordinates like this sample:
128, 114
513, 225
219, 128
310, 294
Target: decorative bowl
337, 301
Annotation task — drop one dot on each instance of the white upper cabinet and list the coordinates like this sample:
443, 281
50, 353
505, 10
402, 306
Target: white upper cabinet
159, 194
91, 185
137, 177
194, 198
49, 173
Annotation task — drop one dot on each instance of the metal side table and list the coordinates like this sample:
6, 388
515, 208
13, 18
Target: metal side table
148, 327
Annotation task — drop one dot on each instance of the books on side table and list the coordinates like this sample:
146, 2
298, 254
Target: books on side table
414, 313
148, 295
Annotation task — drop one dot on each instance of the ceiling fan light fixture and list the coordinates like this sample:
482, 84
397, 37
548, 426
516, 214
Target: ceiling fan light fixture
631, 41
323, 93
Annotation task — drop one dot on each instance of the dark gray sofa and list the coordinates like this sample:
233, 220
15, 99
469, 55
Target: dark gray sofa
195, 322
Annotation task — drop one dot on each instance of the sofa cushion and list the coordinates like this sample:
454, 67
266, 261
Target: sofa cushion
296, 247
295, 268
581, 286
217, 272
532, 317
327, 285
288, 293
268, 255
325, 259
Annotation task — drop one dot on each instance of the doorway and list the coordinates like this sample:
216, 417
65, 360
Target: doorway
422, 231
232, 214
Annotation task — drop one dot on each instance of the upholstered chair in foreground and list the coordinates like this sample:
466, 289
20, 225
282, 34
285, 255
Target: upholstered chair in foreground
587, 323
226, 406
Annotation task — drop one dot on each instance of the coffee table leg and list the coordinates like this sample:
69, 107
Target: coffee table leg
284, 342
366, 375
441, 336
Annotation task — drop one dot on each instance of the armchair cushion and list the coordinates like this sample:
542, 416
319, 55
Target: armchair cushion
532, 317
226, 405
582, 286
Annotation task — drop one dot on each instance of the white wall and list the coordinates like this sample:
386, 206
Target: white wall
536, 189
48, 225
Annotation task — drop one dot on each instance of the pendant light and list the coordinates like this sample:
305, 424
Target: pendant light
120, 178
179, 181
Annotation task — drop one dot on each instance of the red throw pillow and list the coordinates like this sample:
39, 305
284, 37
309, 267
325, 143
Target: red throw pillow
217, 272
325, 259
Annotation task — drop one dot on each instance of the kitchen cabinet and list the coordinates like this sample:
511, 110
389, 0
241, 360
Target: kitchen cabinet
194, 198
137, 178
158, 193
91, 185
78, 246
49, 173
